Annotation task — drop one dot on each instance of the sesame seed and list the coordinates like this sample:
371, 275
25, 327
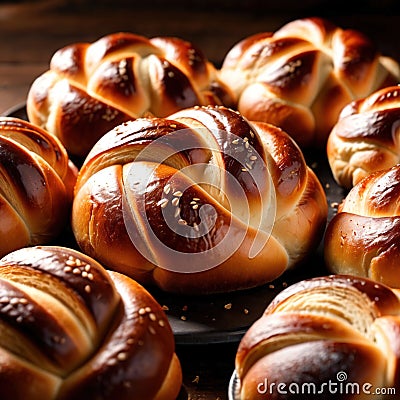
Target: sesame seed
152, 316
195, 207
87, 268
178, 193
182, 222
67, 269
249, 166
148, 309
23, 301
173, 125
84, 274
90, 276
195, 227
228, 306
236, 141
177, 212
161, 322
196, 198
142, 311
121, 356
88, 289
171, 74
167, 188
253, 158
183, 318
163, 203
70, 263
175, 201
76, 271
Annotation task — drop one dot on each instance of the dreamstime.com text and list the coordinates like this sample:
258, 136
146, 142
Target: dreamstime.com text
339, 387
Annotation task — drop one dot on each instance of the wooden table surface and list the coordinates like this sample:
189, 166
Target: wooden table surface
30, 32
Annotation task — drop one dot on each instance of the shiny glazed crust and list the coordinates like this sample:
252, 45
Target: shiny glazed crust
363, 238
146, 194
337, 328
301, 76
36, 185
92, 87
76, 331
366, 137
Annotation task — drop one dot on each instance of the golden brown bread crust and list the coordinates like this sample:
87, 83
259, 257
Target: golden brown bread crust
363, 238
78, 331
182, 202
337, 328
92, 87
301, 76
365, 139
36, 185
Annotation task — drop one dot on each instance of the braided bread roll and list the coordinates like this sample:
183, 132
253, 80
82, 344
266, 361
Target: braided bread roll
36, 185
300, 77
72, 330
335, 337
362, 239
92, 87
189, 202
366, 137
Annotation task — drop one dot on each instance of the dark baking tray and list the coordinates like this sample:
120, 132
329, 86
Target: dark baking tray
226, 317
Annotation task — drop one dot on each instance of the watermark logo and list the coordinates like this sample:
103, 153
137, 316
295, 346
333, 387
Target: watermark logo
339, 386
207, 170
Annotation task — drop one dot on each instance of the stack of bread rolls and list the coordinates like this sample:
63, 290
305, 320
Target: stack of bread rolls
193, 179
